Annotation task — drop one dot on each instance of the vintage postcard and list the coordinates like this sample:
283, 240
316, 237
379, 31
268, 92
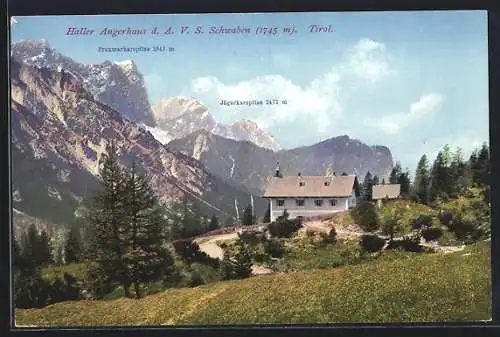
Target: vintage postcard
227, 169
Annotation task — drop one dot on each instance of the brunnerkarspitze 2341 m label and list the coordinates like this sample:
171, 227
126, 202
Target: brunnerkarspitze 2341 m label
238, 102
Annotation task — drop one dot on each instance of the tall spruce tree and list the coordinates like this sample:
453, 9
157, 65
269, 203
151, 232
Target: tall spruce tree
175, 218
191, 223
108, 221
439, 178
446, 155
460, 177
367, 187
146, 257
73, 246
422, 180
44, 249
29, 246
214, 223
482, 171
36, 248
247, 218
395, 174
267, 215
376, 180
404, 181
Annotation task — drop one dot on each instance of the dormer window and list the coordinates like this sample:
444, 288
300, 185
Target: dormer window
302, 183
327, 183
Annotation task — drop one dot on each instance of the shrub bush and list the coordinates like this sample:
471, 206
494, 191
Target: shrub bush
408, 244
274, 248
330, 237
207, 274
371, 243
422, 221
468, 216
366, 216
176, 278
394, 220
259, 253
432, 234
190, 252
238, 266
30, 289
284, 228
252, 238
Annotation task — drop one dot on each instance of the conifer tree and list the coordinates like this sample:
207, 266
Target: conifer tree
36, 248
284, 216
214, 223
267, 215
242, 262
446, 155
460, 177
247, 218
175, 219
422, 180
483, 166
404, 181
108, 221
376, 180
59, 258
44, 249
146, 257
190, 219
17, 257
29, 246
73, 246
367, 186
439, 178
395, 174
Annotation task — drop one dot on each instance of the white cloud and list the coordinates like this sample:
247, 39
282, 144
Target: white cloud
318, 103
369, 60
392, 124
13, 20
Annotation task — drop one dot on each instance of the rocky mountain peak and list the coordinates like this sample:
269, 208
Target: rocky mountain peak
118, 85
246, 124
174, 107
62, 130
180, 116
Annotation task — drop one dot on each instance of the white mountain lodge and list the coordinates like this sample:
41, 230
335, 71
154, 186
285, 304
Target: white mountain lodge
307, 196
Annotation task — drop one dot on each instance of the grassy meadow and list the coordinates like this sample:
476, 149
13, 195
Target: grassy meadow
433, 287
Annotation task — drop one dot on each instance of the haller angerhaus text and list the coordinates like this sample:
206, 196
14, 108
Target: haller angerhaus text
197, 30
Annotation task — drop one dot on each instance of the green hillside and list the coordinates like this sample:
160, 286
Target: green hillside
412, 288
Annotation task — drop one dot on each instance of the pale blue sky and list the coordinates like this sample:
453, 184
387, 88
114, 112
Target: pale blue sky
413, 81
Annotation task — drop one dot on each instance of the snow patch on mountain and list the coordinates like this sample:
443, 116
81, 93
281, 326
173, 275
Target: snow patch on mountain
119, 85
231, 174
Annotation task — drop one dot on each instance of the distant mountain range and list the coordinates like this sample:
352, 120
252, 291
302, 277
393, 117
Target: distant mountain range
121, 86
64, 113
59, 132
252, 166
